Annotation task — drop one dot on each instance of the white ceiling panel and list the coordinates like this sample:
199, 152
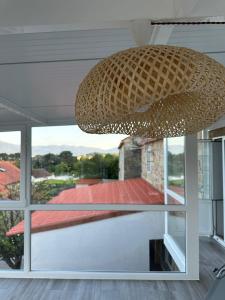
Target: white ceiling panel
28, 13
8, 118
204, 38
33, 85
56, 113
71, 45
40, 72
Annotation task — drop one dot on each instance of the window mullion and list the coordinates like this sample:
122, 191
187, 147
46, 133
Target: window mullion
27, 213
122, 207
27, 240
191, 194
28, 165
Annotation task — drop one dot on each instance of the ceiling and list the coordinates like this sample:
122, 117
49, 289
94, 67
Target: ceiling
40, 72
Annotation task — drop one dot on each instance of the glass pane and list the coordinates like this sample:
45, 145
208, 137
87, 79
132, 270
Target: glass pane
99, 241
70, 166
171, 200
177, 229
11, 243
152, 153
218, 218
204, 182
175, 158
10, 148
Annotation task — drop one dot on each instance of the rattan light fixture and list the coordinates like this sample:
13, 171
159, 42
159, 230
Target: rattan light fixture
155, 91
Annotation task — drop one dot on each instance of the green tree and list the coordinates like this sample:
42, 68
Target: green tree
11, 248
111, 163
62, 168
176, 164
4, 156
67, 158
89, 169
50, 161
94, 165
47, 161
41, 192
77, 168
37, 162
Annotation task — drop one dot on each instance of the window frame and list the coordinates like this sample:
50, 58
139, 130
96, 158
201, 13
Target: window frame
149, 161
190, 208
170, 192
22, 200
190, 202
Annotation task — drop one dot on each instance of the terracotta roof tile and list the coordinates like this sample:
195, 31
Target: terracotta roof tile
9, 174
130, 191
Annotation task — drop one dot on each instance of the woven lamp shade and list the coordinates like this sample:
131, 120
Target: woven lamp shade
154, 91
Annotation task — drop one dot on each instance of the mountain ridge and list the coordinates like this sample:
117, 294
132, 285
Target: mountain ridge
55, 149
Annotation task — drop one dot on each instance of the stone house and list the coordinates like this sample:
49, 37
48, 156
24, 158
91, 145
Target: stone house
152, 168
142, 157
130, 150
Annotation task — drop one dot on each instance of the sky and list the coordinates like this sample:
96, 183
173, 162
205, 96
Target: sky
72, 136
65, 135
11, 137
176, 145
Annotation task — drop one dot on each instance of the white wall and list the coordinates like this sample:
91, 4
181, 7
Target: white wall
115, 244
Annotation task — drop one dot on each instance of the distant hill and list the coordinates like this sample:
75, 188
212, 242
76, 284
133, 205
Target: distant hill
8, 148
42, 150
76, 150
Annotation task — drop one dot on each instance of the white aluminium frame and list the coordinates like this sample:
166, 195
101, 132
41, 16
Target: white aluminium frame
220, 240
27, 207
21, 202
190, 261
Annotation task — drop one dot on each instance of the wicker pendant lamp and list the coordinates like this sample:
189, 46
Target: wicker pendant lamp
154, 91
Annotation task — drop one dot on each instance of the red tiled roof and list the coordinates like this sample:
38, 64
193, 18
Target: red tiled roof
129, 191
11, 173
89, 181
177, 189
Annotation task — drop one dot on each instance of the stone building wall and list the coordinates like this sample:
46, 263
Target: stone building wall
130, 158
121, 163
132, 163
156, 175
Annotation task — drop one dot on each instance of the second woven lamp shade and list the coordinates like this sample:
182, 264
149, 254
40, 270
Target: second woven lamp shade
152, 91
